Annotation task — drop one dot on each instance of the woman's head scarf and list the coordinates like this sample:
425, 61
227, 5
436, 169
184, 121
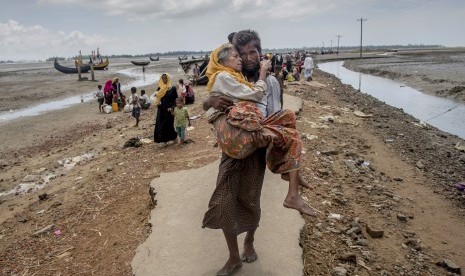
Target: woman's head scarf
214, 68
163, 88
108, 87
115, 79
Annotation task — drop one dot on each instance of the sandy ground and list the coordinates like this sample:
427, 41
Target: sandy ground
379, 172
23, 85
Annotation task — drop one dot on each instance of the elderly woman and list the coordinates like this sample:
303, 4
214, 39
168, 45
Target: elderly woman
165, 102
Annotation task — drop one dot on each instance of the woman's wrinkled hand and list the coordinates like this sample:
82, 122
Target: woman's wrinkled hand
259, 141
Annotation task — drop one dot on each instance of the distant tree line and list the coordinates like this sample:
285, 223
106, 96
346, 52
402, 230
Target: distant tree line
164, 54
281, 50
266, 50
348, 48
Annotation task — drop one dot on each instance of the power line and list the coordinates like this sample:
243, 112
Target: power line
338, 36
361, 33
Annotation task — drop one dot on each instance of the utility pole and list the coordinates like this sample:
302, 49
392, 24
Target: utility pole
338, 37
361, 33
331, 44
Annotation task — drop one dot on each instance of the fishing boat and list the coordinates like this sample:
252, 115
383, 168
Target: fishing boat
155, 59
69, 70
188, 68
182, 58
101, 65
140, 63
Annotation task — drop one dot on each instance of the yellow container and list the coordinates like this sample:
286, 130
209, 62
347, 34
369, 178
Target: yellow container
115, 107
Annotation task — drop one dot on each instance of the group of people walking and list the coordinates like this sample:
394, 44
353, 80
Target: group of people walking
284, 69
172, 117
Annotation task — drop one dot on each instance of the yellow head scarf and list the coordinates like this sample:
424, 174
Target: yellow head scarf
163, 88
214, 68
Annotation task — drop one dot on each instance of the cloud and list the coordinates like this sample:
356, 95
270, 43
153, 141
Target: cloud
184, 9
25, 42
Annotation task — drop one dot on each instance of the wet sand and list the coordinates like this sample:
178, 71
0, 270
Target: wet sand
24, 85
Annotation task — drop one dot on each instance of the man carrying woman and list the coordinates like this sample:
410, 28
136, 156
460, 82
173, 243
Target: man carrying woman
235, 204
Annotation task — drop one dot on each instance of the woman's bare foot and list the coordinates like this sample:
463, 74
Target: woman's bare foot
230, 268
249, 255
299, 204
302, 182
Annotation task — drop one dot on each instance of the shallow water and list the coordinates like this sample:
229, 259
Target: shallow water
447, 115
140, 80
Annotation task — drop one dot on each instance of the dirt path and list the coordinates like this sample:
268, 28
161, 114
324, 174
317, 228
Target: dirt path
377, 171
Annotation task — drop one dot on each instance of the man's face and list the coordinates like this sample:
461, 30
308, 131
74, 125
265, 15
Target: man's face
250, 56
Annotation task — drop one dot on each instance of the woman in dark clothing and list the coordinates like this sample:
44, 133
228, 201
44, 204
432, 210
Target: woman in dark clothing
118, 94
165, 102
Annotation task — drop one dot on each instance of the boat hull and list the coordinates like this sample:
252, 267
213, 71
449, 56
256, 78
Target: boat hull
101, 66
140, 63
70, 70
188, 68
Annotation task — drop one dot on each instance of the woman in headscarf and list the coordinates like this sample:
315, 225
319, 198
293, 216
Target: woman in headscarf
165, 101
117, 93
108, 92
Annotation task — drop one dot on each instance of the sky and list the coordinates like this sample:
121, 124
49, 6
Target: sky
39, 29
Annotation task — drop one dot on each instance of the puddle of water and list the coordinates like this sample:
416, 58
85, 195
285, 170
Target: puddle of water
422, 106
140, 80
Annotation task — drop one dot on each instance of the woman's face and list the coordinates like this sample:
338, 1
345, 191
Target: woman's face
233, 61
164, 78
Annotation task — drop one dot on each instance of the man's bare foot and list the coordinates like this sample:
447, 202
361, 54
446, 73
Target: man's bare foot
229, 268
299, 204
302, 182
249, 255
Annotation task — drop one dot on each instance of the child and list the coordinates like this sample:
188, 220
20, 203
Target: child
100, 98
181, 90
135, 101
181, 120
235, 127
144, 100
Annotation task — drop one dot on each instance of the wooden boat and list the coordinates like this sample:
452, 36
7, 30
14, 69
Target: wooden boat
69, 70
155, 59
188, 68
102, 65
201, 80
140, 63
182, 58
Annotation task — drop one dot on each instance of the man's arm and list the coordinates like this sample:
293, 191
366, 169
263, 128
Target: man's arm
217, 102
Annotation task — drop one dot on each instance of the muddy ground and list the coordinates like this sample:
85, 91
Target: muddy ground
381, 171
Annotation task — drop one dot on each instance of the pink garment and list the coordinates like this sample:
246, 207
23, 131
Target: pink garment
108, 87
